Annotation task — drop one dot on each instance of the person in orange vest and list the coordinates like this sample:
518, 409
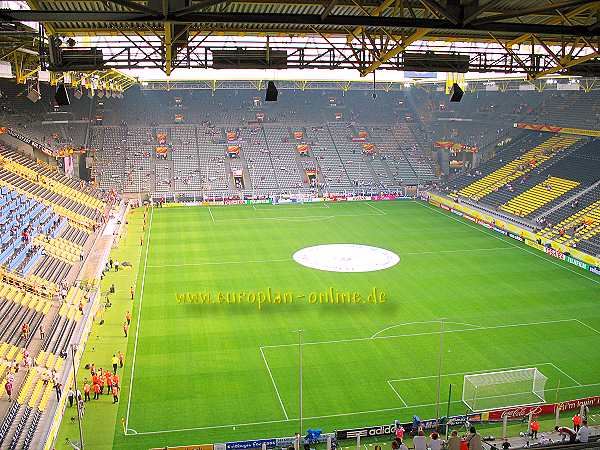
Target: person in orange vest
128, 317
101, 384
96, 391
115, 393
576, 422
86, 392
535, 427
125, 328
115, 380
131, 291
109, 383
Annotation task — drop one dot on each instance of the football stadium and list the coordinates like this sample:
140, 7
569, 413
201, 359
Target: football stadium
296, 225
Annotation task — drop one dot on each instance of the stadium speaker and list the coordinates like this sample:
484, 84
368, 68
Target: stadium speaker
33, 95
271, 92
456, 94
62, 96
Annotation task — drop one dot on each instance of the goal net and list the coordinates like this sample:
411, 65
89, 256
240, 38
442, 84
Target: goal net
484, 391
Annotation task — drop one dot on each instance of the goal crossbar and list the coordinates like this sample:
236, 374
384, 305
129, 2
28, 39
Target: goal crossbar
500, 389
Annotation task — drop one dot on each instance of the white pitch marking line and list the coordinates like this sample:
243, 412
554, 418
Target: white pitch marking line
565, 374
381, 212
587, 326
492, 327
214, 427
295, 217
139, 315
274, 384
220, 263
259, 261
536, 254
466, 250
419, 323
328, 416
311, 219
396, 392
211, 215
500, 369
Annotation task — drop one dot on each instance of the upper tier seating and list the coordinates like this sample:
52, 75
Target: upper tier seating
197, 161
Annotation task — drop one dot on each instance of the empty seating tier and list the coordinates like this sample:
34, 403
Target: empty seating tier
518, 167
538, 196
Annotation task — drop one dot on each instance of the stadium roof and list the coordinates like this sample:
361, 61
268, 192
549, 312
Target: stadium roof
450, 19
532, 37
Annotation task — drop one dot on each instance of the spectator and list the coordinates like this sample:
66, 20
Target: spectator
583, 434
566, 432
419, 441
399, 433
454, 441
436, 442
474, 440
8, 386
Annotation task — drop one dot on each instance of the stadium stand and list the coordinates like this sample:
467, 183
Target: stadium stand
538, 196
517, 167
47, 226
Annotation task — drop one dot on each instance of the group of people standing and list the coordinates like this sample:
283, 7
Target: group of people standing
420, 442
579, 433
100, 379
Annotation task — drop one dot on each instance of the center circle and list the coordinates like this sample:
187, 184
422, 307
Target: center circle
346, 258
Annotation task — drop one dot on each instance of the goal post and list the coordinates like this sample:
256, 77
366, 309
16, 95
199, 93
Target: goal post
490, 390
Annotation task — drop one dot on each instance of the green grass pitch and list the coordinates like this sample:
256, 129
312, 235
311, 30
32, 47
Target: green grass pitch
201, 373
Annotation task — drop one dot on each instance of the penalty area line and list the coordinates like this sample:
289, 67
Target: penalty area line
565, 374
587, 326
396, 392
274, 384
328, 416
381, 212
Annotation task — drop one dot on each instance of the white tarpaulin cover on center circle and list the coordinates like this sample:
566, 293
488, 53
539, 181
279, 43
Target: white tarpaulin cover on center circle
346, 258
